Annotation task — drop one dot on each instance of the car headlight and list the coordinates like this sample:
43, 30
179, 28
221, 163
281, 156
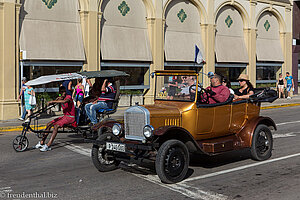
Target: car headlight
148, 131
116, 129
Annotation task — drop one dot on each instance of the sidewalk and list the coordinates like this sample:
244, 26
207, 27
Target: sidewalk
15, 124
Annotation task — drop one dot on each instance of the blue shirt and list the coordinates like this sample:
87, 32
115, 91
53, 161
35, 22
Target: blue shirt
289, 80
66, 84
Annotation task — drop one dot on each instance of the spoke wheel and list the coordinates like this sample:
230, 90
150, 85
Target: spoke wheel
20, 143
262, 143
172, 161
102, 160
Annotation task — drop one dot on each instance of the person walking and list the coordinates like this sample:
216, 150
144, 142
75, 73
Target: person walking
289, 85
21, 96
280, 86
27, 94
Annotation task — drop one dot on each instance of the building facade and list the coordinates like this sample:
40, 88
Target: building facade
140, 36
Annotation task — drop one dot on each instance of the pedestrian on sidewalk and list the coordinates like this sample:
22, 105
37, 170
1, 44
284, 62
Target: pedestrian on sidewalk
289, 85
280, 86
21, 96
29, 107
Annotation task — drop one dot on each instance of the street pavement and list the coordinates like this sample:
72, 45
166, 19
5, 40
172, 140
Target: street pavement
67, 172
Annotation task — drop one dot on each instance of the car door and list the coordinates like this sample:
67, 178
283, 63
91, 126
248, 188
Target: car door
238, 115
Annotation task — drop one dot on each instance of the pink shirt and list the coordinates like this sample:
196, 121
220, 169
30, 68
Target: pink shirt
68, 108
222, 94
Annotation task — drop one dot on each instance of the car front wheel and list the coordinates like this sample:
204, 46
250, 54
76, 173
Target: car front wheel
172, 161
262, 143
103, 161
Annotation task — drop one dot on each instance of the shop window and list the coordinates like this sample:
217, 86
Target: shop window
232, 73
139, 77
266, 76
32, 72
266, 73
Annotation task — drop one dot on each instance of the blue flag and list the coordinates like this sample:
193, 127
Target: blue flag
198, 56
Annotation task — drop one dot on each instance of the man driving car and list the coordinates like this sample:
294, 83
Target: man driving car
217, 93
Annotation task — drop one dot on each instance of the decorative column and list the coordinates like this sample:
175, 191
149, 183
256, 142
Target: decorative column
9, 69
89, 19
156, 35
286, 38
209, 35
250, 36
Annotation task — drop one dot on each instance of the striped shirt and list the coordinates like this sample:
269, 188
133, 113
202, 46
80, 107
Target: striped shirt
108, 95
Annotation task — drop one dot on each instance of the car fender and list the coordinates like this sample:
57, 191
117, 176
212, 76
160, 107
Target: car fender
106, 124
246, 133
174, 132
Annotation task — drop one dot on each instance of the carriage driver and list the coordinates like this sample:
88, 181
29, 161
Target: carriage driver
68, 118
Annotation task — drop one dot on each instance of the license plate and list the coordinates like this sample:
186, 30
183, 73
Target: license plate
115, 146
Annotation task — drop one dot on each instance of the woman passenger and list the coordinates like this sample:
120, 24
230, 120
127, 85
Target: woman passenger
246, 89
227, 83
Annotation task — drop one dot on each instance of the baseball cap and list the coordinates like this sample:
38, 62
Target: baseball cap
210, 74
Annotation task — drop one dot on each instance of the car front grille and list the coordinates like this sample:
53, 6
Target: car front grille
135, 118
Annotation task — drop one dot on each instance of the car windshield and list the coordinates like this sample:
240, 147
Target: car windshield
175, 88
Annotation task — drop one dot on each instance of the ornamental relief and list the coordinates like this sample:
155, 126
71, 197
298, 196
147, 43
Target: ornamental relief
50, 3
228, 21
123, 8
181, 15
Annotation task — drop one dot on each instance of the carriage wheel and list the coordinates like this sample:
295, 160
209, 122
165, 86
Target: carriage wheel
20, 143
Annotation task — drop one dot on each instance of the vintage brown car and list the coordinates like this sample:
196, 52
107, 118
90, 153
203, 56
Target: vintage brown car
180, 124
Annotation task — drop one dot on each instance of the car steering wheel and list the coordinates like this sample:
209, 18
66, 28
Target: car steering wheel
203, 99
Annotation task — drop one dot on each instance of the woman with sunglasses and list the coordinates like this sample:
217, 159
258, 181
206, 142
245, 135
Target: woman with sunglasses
246, 89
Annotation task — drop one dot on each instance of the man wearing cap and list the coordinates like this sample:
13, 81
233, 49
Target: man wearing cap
22, 118
108, 93
246, 89
217, 93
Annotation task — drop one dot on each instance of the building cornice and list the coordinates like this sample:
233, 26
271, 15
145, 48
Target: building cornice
273, 2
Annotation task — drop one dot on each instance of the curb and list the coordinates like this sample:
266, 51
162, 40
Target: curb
16, 128
280, 106
20, 128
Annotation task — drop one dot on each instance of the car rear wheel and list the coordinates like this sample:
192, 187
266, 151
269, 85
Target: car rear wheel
103, 161
172, 161
262, 143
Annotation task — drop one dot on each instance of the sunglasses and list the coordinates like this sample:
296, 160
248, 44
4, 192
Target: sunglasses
184, 77
241, 80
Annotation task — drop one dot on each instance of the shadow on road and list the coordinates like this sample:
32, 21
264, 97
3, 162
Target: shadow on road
219, 160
